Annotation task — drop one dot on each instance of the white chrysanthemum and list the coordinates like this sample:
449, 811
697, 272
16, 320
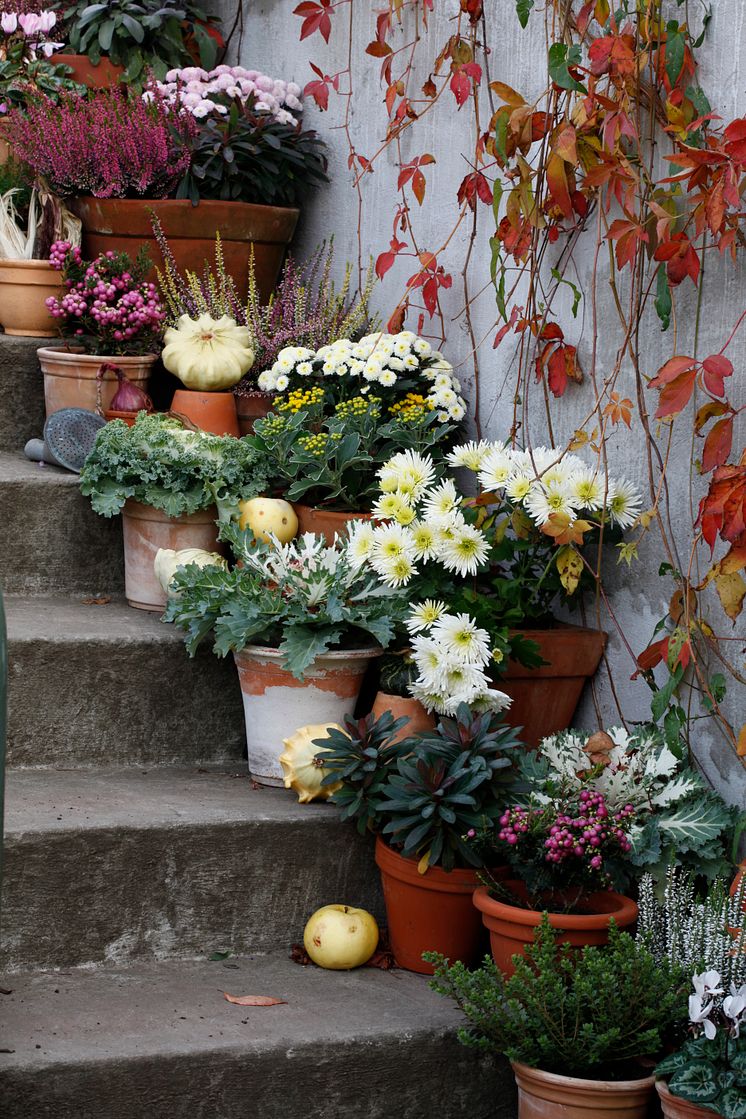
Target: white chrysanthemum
282, 382
356, 367
463, 638
430, 659
465, 552
394, 506
542, 502
304, 368
425, 538
469, 455
390, 541
396, 364
422, 347
558, 474
267, 381
283, 364
442, 502
492, 700
497, 467
461, 680
411, 361
443, 398
409, 467
329, 368
434, 701
588, 487
534, 461
387, 378
456, 412
517, 486
623, 502
401, 348
425, 614
360, 543
395, 571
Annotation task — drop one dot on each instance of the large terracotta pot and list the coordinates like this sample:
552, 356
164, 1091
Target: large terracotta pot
209, 411
70, 377
251, 407
512, 928
545, 698
276, 704
404, 707
145, 531
674, 1107
25, 285
325, 522
430, 912
125, 224
547, 1095
102, 75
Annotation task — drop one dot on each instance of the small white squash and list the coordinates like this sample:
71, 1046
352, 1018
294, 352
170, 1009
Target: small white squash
302, 772
269, 516
167, 561
207, 354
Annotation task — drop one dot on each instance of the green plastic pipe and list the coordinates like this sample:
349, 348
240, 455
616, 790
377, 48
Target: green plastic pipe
3, 726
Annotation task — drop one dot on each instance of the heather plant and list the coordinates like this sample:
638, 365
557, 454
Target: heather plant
110, 145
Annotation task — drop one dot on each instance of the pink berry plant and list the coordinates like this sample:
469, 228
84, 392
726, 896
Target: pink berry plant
108, 306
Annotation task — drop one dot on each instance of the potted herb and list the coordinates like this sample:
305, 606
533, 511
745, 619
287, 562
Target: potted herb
171, 486
113, 317
302, 625
581, 1030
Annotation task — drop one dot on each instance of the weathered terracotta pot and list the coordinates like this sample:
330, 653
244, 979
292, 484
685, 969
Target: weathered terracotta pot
512, 928
545, 698
125, 225
430, 912
251, 407
674, 1107
276, 704
70, 377
145, 531
127, 417
25, 285
404, 707
100, 76
324, 522
209, 411
547, 1095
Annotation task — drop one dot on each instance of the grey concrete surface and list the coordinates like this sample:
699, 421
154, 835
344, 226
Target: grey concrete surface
21, 392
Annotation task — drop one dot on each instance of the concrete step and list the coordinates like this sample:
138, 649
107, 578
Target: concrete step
161, 1042
21, 392
116, 865
51, 541
109, 685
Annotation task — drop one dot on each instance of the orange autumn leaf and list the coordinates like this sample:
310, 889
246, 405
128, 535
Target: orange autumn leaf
253, 1000
741, 747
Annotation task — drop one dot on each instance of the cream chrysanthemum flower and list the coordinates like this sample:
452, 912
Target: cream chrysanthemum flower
360, 543
395, 571
430, 660
623, 502
410, 469
543, 501
518, 486
463, 638
465, 552
588, 487
425, 614
424, 539
391, 541
442, 502
392, 506
497, 466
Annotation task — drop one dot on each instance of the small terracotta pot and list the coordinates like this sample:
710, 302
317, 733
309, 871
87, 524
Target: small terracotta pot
128, 417
430, 912
251, 407
325, 522
674, 1107
276, 704
209, 411
25, 285
547, 1095
70, 377
400, 707
145, 531
101, 76
512, 928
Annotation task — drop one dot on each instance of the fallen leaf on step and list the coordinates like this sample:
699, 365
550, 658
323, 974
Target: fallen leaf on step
253, 1000
104, 600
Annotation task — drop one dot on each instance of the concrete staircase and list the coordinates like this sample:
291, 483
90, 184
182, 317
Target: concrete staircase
136, 848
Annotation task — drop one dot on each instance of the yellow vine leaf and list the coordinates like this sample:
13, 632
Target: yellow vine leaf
507, 94
627, 552
731, 591
579, 439
645, 519
521, 524
570, 567
741, 747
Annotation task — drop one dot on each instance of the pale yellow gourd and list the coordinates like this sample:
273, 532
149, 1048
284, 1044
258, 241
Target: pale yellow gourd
207, 354
268, 516
167, 561
301, 770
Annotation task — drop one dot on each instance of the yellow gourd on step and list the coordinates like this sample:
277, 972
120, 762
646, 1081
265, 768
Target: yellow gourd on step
302, 772
269, 516
167, 561
207, 354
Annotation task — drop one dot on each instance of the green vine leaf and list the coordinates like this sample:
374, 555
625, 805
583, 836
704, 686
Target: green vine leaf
560, 58
663, 298
523, 10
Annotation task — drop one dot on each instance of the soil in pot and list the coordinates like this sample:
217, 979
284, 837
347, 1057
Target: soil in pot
547, 1095
325, 522
25, 285
276, 704
251, 407
512, 928
70, 377
145, 530
430, 912
209, 411
404, 707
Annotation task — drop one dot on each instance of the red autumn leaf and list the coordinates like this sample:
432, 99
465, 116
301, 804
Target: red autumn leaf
565, 145
563, 367
418, 186
676, 395
681, 258
723, 508
319, 91
378, 49
613, 54
460, 86
315, 18
734, 559
627, 234
715, 369
383, 263
557, 184
718, 444
551, 332
474, 186
253, 1000
685, 655
653, 655
670, 370
396, 323
735, 136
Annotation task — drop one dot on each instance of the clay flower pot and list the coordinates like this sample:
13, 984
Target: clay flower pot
547, 1095
25, 285
276, 704
545, 698
127, 417
404, 706
251, 407
70, 377
324, 522
125, 225
674, 1107
209, 411
430, 912
513, 928
101, 76
145, 531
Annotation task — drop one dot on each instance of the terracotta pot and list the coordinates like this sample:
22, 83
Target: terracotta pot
736, 884
209, 411
324, 522
101, 76
404, 706
547, 1095
70, 377
674, 1107
145, 531
125, 224
251, 407
4, 151
25, 285
128, 417
512, 928
276, 704
430, 912
545, 698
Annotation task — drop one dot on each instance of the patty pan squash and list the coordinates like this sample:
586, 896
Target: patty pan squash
207, 354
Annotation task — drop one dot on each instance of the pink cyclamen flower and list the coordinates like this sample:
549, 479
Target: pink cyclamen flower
9, 22
47, 20
30, 23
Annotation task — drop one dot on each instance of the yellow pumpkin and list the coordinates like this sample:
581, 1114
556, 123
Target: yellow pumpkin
269, 516
208, 354
167, 561
302, 772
